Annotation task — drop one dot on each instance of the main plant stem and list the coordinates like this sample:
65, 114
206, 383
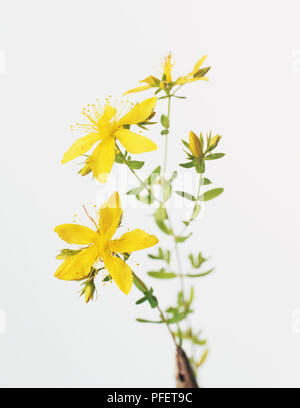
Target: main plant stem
166, 138
176, 248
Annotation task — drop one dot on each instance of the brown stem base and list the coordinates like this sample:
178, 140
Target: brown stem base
185, 377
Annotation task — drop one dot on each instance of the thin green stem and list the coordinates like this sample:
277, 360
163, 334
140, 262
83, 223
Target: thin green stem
143, 287
176, 248
176, 90
181, 276
127, 164
163, 318
166, 138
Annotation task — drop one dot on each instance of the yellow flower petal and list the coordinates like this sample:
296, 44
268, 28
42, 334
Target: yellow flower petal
102, 159
195, 145
151, 80
133, 142
198, 64
78, 267
108, 114
81, 146
76, 234
138, 89
119, 271
197, 79
183, 79
133, 241
110, 216
139, 113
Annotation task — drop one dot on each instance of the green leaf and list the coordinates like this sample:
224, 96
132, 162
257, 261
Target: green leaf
196, 263
164, 132
214, 156
148, 297
152, 301
202, 359
149, 321
187, 165
164, 121
173, 177
140, 125
136, 190
162, 274
135, 164
167, 256
154, 175
210, 194
196, 212
119, 158
191, 298
159, 256
185, 143
172, 310
141, 300
182, 239
160, 214
167, 190
148, 199
186, 195
162, 226
199, 275
178, 317
162, 255
139, 284
180, 298
205, 181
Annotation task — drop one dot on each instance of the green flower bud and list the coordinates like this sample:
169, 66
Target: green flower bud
89, 291
212, 143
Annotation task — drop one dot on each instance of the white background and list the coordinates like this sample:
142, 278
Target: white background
61, 55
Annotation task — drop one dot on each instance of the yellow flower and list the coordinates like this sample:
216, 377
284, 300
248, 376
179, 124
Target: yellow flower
104, 125
195, 145
166, 82
101, 247
196, 74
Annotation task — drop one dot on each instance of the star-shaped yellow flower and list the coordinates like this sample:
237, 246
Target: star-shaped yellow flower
101, 246
166, 82
104, 125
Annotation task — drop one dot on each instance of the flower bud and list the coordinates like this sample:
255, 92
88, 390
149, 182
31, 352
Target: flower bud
85, 170
89, 291
151, 80
195, 145
214, 142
